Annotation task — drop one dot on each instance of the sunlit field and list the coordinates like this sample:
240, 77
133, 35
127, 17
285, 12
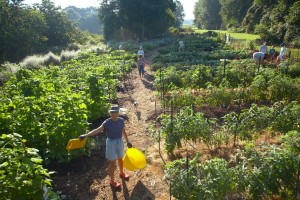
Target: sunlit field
243, 36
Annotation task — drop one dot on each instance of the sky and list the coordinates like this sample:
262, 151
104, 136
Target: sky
188, 5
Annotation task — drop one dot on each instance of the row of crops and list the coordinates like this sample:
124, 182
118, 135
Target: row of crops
255, 100
40, 110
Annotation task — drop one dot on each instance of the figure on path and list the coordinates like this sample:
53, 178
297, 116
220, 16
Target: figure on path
115, 131
181, 46
140, 52
141, 66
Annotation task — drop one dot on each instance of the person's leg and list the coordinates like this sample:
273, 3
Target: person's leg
143, 71
120, 163
120, 154
140, 71
111, 156
111, 171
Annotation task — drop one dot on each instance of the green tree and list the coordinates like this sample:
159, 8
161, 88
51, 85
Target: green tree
108, 14
179, 13
207, 14
234, 11
293, 23
22, 31
125, 19
60, 30
274, 20
86, 19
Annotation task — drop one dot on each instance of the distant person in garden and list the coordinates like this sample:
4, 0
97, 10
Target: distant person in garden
141, 52
272, 53
181, 46
120, 49
258, 57
141, 66
264, 49
282, 52
115, 131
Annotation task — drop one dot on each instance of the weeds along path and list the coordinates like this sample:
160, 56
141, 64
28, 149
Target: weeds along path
142, 107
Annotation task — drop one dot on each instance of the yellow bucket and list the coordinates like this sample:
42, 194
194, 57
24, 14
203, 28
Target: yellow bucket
134, 159
76, 143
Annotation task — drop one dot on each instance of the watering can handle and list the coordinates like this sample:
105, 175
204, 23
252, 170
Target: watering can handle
129, 145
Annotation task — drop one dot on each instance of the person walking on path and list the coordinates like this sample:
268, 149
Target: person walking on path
141, 66
181, 46
115, 128
141, 52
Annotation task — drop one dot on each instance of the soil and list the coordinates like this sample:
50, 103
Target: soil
87, 178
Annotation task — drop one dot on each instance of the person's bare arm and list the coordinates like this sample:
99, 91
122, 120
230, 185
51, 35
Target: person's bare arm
125, 135
95, 131
129, 145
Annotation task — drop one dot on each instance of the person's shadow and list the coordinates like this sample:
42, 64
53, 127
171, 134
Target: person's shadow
148, 84
138, 115
140, 191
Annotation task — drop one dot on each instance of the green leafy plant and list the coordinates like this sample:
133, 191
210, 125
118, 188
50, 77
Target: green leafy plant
22, 174
185, 126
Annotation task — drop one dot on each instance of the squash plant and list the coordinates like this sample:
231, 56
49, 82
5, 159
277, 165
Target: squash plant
22, 174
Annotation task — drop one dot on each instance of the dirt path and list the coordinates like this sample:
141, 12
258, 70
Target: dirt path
87, 178
142, 107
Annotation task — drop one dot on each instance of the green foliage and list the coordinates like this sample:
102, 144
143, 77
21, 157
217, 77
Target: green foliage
136, 20
274, 21
220, 96
179, 13
51, 105
207, 14
294, 70
279, 118
285, 117
258, 173
21, 172
22, 31
270, 18
60, 31
86, 19
187, 125
272, 171
233, 12
26, 31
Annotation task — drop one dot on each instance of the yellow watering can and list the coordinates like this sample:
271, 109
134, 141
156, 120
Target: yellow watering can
76, 143
134, 159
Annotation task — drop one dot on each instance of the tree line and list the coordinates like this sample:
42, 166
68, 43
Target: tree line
274, 20
87, 19
27, 30
135, 19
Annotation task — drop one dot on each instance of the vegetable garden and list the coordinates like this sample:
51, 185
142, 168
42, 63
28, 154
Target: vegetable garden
256, 100
47, 107
40, 110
